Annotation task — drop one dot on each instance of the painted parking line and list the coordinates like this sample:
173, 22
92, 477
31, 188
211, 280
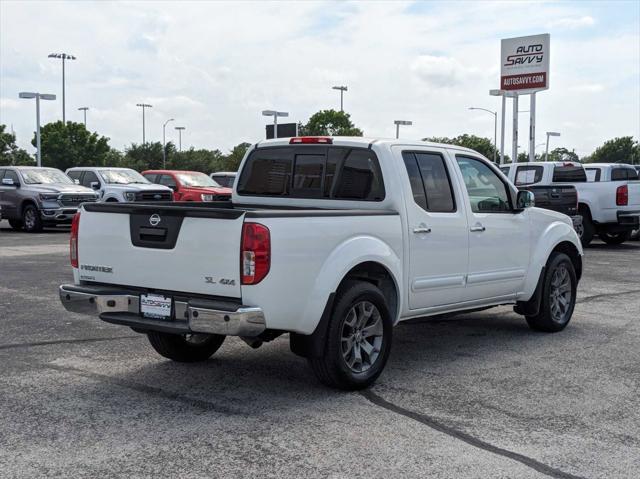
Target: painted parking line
13, 251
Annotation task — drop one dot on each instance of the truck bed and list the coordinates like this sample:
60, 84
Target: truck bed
560, 198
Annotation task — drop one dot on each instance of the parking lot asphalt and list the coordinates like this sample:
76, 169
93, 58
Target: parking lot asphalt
478, 395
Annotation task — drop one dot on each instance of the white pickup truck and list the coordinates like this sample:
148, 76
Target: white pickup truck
608, 194
333, 241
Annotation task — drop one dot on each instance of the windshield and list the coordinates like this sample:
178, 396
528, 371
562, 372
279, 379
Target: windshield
44, 176
122, 177
196, 180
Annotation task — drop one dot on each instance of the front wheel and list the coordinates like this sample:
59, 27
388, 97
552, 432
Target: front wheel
615, 238
558, 295
185, 348
358, 339
31, 219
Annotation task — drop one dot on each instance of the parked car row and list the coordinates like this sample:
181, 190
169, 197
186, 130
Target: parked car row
34, 197
606, 196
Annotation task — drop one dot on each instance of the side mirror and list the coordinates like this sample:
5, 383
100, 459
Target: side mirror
95, 185
173, 187
525, 199
8, 182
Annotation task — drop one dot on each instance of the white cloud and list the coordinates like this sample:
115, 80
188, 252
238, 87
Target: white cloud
588, 88
439, 71
572, 22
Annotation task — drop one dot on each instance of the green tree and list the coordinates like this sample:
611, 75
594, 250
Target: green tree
618, 150
562, 154
329, 123
65, 146
202, 160
484, 146
10, 154
231, 162
142, 157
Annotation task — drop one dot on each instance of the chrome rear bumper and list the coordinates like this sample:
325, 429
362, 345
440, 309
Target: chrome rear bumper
191, 315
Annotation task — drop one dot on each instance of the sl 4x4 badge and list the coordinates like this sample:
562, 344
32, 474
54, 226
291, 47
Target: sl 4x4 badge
224, 281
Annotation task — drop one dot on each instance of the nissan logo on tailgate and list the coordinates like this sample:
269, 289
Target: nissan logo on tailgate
154, 220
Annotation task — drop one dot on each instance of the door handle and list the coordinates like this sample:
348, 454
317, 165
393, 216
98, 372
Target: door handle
477, 228
422, 229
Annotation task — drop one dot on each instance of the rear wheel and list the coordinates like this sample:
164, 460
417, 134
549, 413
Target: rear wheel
615, 238
16, 224
358, 339
558, 295
185, 348
31, 219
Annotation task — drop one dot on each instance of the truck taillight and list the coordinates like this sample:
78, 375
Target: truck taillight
73, 240
622, 195
255, 253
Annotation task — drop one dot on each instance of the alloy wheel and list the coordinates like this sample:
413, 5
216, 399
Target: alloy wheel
560, 293
362, 334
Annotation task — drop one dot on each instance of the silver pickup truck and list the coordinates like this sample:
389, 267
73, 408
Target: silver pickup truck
31, 198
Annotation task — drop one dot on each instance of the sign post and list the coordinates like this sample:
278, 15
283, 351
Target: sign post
524, 70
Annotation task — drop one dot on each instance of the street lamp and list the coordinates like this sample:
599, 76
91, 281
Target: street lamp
546, 152
143, 105
84, 110
180, 128
342, 90
63, 57
164, 147
400, 122
37, 96
275, 114
495, 129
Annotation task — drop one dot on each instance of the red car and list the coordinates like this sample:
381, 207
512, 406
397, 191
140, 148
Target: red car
189, 185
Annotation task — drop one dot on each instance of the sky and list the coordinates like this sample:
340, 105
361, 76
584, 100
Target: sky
214, 66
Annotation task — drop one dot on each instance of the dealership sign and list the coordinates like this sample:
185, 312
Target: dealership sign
525, 63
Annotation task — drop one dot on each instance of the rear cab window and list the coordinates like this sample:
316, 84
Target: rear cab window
324, 172
569, 173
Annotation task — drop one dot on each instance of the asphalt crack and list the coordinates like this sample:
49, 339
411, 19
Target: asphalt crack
586, 299
201, 404
64, 341
467, 438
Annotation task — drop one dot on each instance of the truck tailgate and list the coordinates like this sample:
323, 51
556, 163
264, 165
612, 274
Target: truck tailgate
634, 194
173, 248
560, 198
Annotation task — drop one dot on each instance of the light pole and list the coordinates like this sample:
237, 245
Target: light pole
275, 114
342, 90
84, 110
546, 151
144, 106
502, 94
398, 123
495, 129
37, 96
63, 56
180, 128
164, 144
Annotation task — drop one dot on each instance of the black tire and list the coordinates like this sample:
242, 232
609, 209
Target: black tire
547, 319
185, 348
16, 224
32, 223
615, 238
332, 368
588, 228
111, 200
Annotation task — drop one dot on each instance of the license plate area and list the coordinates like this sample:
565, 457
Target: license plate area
156, 306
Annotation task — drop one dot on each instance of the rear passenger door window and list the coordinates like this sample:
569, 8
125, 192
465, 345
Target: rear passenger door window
430, 181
